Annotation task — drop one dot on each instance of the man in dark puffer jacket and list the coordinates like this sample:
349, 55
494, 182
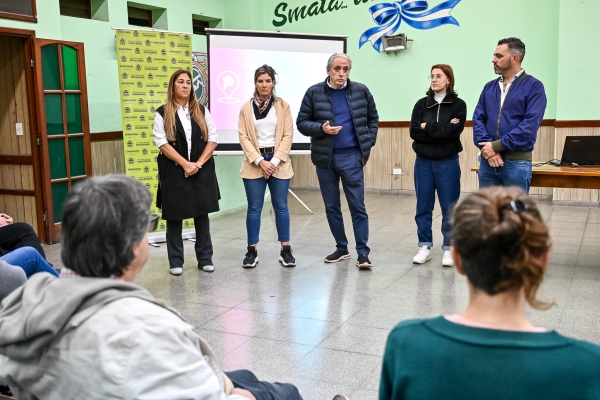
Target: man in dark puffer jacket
341, 118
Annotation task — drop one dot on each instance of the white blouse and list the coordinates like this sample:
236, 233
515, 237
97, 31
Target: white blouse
265, 133
160, 136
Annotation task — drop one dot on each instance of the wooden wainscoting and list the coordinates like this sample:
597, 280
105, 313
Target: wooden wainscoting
107, 156
585, 195
17, 183
394, 150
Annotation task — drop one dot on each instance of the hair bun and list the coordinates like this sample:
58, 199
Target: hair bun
501, 239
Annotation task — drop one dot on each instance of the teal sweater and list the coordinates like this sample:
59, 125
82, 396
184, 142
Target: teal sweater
437, 359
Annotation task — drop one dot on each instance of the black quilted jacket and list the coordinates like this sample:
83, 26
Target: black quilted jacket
317, 108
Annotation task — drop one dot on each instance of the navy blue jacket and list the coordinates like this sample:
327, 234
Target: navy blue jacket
512, 128
317, 108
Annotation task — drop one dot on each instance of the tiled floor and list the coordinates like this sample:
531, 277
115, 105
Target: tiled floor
323, 326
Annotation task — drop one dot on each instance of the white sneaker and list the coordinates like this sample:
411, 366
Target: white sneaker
447, 260
208, 268
423, 255
176, 271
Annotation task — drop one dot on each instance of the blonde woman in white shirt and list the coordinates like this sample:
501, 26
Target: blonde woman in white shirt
187, 137
266, 133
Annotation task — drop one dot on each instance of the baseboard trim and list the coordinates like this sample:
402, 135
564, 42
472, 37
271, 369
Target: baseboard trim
305, 188
572, 203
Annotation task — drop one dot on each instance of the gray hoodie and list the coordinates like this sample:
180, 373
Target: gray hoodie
103, 338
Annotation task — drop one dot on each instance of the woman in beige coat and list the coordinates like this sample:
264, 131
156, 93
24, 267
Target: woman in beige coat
266, 133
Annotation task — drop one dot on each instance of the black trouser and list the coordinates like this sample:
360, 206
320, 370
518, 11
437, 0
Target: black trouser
203, 247
262, 390
17, 235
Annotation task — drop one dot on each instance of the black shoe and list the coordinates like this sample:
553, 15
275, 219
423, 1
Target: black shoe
286, 258
337, 255
251, 258
5, 390
363, 261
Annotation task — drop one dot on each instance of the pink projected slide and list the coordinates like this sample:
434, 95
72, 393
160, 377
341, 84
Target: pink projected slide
232, 83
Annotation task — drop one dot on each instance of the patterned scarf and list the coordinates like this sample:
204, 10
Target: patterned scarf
261, 107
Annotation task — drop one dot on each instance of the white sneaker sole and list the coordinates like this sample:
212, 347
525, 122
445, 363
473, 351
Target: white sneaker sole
422, 262
447, 264
364, 265
344, 257
208, 268
176, 271
251, 265
286, 264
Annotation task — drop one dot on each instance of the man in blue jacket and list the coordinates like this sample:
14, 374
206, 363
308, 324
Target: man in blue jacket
341, 118
506, 120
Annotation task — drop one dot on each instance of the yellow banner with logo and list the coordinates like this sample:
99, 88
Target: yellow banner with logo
146, 60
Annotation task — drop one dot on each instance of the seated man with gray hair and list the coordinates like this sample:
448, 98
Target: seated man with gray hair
92, 333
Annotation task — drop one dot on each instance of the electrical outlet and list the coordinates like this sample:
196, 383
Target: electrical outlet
397, 171
19, 129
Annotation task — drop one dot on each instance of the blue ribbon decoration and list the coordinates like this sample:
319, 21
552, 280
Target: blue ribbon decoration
389, 16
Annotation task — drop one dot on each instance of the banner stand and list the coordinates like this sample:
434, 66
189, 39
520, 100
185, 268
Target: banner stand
146, 60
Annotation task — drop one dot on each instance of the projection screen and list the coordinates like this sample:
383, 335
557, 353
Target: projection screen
233, 56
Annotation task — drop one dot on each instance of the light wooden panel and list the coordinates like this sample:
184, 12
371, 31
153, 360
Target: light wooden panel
13, 97
14, 109
394, 150
16, 177
573, 194
544, 151
21, 208
107, 157
304, 171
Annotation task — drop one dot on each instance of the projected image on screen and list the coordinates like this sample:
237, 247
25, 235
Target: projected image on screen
299, 60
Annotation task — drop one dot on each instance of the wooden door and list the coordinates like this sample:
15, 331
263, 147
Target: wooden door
20, 182
63, 124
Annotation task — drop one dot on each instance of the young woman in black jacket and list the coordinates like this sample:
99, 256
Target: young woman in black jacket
435, 127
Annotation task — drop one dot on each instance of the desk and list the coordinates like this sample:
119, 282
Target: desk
564, 177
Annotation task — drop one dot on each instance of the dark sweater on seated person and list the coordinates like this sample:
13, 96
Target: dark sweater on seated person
346, 139
438, 359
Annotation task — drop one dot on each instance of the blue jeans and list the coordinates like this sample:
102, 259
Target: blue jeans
255, 194
430, 175
349, 168
514, 173
30, 260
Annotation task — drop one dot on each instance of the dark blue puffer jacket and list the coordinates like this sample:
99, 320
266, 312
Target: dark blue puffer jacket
317, 108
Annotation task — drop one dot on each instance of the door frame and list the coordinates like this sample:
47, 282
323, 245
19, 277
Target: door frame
52, 227
31, 83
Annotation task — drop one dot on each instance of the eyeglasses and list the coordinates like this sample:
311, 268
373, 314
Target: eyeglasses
153, 223
438, 77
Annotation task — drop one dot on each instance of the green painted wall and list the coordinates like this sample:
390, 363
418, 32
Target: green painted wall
101, 64
244, 14
398, 81
559, 35
578, 60
99, 42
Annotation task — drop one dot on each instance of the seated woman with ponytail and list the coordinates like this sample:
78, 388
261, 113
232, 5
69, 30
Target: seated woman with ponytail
491, 350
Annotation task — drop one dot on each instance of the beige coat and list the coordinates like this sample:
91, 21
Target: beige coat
284, 134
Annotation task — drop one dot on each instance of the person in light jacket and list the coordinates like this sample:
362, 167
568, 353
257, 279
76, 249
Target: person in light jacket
266, 133
93, 333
